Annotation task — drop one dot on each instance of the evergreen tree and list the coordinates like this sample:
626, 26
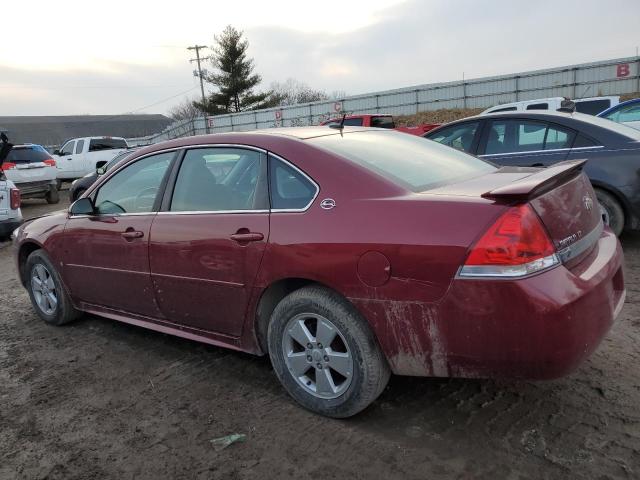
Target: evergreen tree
234, 76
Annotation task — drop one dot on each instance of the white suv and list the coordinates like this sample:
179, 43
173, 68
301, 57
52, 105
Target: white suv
33, 171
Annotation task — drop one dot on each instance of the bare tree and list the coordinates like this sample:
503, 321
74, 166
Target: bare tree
185, 110
292, 91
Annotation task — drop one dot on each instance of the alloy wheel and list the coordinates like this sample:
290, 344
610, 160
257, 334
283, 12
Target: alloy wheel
317, 355
44, 289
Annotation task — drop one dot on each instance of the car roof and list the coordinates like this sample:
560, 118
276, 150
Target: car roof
616, 107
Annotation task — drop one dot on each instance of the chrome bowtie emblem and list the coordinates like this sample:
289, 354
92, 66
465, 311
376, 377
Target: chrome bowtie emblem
588, 202
327, 203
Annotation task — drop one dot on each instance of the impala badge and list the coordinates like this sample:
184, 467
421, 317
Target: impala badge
588, 202
327, 203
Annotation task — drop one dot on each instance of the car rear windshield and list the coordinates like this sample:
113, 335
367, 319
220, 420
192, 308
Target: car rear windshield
106, 144
413, 162
29, 154
629, 132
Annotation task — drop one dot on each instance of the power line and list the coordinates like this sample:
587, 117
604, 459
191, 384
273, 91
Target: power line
197, 48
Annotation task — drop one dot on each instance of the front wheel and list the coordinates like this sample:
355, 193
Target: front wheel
325, 354
52, 195
47, 294
611, 210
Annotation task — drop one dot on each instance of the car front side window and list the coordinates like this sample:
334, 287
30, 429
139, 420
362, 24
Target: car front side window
67, 149
134, 188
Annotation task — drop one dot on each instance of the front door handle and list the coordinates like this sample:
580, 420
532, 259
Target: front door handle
246, 237
130, 234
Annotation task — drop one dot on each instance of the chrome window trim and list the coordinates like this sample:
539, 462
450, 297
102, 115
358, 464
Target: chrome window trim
313, 182
103, 215
553, 150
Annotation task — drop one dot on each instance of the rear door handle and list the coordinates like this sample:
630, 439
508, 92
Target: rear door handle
130, 234
247, 237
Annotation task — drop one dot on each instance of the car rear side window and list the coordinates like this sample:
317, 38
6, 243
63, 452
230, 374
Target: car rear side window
538, 106
407, 160
459, 137
593, 107
96, 144
582, 141
505, 109
289, 188
134, 188
30, 154
219, 179
79, 146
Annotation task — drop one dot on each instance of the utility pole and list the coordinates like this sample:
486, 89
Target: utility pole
197, 48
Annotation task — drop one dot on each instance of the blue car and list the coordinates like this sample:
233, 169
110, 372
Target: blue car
626, 112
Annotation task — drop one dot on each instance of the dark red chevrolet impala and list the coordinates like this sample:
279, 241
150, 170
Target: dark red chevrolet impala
346, 255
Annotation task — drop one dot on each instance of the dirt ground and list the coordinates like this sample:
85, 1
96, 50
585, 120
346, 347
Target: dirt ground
100, 399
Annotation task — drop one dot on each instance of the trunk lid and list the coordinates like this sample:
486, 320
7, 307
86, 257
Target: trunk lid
561, 195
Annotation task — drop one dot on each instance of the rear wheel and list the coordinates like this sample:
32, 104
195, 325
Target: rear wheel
52, 195
48, 296
611, 210
324, 353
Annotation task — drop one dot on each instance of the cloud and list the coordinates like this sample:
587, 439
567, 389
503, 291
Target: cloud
408, 43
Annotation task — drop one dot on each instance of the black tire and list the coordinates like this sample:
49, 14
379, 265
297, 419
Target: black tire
370, 369
52, 195
78, 193
64, 311
613, 214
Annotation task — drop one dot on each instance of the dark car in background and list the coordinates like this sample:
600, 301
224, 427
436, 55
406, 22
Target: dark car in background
80, 185
540, 139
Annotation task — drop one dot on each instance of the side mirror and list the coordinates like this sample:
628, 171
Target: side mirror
56, 152
82, 206
100, 167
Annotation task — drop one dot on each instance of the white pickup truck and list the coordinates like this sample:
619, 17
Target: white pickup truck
79, 156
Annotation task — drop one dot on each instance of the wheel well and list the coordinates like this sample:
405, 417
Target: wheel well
629, 218
268, 302
25, 250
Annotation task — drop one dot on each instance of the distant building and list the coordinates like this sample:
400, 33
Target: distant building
53, 131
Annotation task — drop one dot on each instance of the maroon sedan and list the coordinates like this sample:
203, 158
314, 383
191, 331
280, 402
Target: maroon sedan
346, 255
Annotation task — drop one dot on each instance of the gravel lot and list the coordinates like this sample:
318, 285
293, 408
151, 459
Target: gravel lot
99, 399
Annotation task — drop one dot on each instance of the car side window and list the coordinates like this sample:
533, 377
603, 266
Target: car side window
289, 188
134, 188
67, 149
459, 137
521, 136
219, 179
79, 146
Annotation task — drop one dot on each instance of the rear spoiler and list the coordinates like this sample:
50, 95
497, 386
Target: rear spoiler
539, 182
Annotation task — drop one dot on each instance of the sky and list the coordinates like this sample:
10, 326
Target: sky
68, 57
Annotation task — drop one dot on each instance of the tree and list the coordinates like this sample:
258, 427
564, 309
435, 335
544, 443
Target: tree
234, 76
292, 91
185, 110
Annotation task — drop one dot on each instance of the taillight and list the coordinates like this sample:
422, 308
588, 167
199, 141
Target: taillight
517, 244
7, 166
50, 162
15, 199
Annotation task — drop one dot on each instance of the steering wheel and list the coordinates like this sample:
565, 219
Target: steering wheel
145, 199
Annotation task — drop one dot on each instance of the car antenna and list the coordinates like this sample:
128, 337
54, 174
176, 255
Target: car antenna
340, 126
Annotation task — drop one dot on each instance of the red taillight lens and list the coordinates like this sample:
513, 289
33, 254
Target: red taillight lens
15, 199
515, 245
8, 166
51, 162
